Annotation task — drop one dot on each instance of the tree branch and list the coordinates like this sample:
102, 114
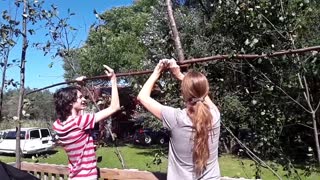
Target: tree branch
304, 125
196, 60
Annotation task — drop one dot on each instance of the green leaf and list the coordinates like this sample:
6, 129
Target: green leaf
11, 42
4, 35
31, 31
50, 65
72, 28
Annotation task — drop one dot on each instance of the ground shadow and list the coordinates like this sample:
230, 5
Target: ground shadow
29, 156
153, 152
42, 154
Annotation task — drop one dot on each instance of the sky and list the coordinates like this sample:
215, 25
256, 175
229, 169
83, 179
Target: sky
38, 72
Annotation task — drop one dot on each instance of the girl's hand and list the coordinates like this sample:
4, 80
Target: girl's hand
175, 69
109, 72
80, 80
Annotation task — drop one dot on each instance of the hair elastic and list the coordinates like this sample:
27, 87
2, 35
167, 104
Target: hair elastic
195, 100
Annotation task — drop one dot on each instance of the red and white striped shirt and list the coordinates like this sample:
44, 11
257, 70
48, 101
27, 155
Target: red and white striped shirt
74, 135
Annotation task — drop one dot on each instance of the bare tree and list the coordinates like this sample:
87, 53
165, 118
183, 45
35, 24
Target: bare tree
22, 80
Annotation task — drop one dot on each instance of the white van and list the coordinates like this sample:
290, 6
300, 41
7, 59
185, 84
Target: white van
32, 140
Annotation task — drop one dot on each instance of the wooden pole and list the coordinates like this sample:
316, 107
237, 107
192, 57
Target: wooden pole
196, 60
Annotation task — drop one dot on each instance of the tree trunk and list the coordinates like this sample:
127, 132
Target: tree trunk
227, 149
22, 78
313, 111
316, 135
175, 33
4, 72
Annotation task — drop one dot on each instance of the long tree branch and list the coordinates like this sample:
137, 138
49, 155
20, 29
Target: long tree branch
196, 60
317, 107
254, 156
307, 93
250, 56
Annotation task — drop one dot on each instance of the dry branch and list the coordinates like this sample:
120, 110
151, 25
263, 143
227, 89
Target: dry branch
196, 60
250, 56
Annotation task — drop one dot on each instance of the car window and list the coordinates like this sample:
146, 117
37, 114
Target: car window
12, 135
34, 134
45, 133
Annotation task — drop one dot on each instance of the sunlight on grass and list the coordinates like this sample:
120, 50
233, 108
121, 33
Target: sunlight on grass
135, 157
233, 166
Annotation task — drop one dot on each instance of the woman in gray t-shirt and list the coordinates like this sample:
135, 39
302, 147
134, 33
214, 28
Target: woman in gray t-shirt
193, 146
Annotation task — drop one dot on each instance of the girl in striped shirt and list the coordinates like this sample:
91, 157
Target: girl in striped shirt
73, 128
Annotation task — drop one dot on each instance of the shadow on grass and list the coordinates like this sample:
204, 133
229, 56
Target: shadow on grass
133, 145
117, 142
153, 152
153, 146
8, 155
43, 154
29, 156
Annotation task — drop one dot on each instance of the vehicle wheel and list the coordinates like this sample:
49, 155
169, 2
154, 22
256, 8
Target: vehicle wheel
161, 141
147, 139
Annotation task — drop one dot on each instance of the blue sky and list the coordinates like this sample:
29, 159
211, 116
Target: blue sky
38, 73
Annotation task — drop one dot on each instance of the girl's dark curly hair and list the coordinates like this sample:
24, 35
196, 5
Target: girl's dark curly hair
63, 100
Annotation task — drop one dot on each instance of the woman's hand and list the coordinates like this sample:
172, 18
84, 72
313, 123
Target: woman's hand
175, 69
162, 65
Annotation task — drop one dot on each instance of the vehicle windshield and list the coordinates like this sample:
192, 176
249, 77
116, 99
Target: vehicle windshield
12, 135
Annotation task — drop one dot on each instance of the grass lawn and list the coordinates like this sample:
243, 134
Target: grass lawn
140, 157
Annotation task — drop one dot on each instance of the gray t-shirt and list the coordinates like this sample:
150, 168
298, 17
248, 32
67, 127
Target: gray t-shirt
180, 165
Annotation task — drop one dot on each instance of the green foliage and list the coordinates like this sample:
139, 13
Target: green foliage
114, 41
71, 65
42, 106
37, 106
160, 157
236, 111
146, 120
263, 96
34, 16
260, 95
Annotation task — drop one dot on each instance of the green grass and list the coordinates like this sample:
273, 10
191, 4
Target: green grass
141, 158
233, 166
135, 157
